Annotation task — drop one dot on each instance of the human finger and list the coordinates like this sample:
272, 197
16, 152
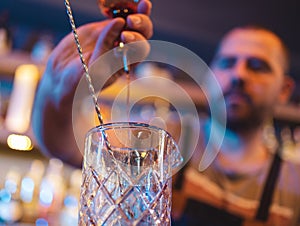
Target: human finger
144, 7
141, 45
108, 36
140, 23
131, 36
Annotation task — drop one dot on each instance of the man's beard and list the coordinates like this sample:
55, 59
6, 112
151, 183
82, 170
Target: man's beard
246, 123
246, 116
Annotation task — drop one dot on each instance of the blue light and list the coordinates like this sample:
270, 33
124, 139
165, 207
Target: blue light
41, 222
70, 201
46, 196
5, 196
27, 188
11, 186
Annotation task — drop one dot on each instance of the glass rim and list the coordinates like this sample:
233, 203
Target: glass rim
130, 124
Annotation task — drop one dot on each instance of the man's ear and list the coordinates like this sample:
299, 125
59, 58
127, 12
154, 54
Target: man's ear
287, 89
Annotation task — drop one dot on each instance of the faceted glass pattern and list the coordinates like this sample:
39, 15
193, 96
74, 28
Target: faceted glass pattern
127, 175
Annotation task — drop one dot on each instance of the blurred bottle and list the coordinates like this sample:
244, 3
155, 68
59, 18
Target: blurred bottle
69, 213
269, 137
288, 146
30, 190
52, 192
10, 206
5, 35
1, 107
42, 48
296, 136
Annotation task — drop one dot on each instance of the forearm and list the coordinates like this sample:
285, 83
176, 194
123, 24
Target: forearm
52, 113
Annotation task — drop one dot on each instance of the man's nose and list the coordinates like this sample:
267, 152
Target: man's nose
239, 73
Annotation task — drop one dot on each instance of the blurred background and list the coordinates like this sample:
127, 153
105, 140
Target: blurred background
29, 29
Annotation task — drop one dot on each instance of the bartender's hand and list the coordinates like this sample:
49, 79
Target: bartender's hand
52, 113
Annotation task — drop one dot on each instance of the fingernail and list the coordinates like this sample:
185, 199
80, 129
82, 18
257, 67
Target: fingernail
128, 36
136, 20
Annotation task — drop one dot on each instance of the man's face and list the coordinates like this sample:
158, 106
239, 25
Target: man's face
249, 69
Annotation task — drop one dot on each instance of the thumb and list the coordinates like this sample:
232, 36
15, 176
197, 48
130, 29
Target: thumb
107, 37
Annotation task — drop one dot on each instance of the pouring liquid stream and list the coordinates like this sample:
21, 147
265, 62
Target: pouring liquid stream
121, 8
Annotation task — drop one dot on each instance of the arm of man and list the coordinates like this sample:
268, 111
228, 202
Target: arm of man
52, 112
